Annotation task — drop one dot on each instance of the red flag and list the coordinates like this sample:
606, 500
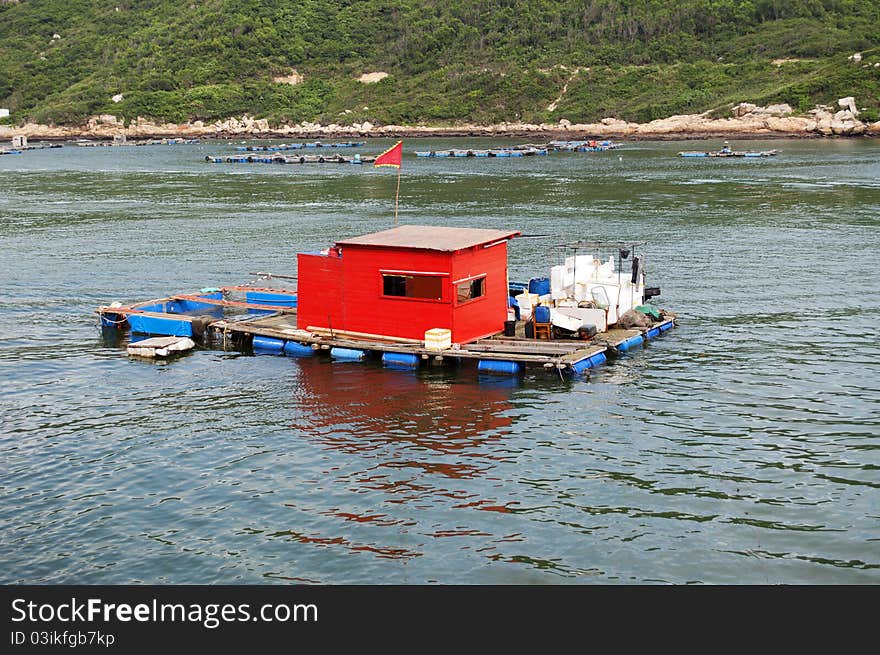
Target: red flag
391, 157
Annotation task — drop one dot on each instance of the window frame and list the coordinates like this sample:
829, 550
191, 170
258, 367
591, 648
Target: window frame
470, 279
398, 273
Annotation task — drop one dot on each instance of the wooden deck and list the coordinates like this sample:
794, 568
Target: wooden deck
562, 354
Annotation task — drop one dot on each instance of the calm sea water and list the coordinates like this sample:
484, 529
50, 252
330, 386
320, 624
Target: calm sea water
741, 447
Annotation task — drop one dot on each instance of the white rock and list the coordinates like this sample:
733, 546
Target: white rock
372, 78
743, 109
848, 103
117, 98
294, 78
823, 123
783, 109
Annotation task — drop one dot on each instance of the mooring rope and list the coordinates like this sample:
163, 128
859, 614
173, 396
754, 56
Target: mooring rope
103, 318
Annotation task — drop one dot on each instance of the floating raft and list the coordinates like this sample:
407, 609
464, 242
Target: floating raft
265, 321
500, 152
282, 159
37, 146
148, 142
299, 146
583, 146
525, 150
165, 142
10, 152
732, 153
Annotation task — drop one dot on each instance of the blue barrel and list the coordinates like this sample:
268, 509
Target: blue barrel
267, 345
499, 367
632, 342
542, 314
539, 285
294, 349
348, 354
400, 360
665, 326
653, 332
590, 362
581, 366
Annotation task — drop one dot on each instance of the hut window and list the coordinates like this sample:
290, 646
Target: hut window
427, 287
470, 289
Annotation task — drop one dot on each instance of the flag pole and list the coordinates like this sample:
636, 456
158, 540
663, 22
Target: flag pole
397, 196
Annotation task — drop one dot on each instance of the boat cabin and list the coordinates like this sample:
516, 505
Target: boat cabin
407, 280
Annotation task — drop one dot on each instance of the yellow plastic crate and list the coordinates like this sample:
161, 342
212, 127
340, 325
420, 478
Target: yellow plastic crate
438, 339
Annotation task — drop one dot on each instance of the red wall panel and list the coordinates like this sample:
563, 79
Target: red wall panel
482, 316
319, 291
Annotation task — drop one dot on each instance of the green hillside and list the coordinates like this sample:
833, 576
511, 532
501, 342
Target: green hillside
477, 61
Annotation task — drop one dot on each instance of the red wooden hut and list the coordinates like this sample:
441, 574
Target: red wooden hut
407, 280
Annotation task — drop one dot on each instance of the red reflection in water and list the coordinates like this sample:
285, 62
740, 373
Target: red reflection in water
409, 443
360, 408
375, 519
380, 551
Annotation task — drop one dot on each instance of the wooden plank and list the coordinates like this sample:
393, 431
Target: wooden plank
268, 275
254, 318
504, 357
362, 335
616, 336
526, 346
271, 320
523, 350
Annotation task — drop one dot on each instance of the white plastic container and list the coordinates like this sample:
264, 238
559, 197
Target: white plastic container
560, 319
524, 301
585, 315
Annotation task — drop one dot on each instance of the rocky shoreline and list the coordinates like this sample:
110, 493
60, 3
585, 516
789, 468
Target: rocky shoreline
748, 122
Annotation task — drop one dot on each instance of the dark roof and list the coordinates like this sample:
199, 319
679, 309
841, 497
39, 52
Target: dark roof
424, 237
